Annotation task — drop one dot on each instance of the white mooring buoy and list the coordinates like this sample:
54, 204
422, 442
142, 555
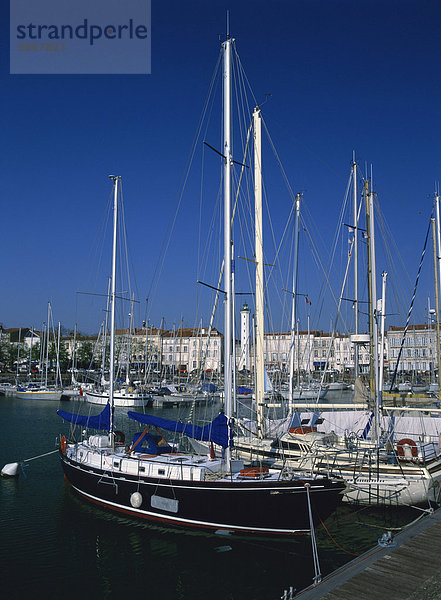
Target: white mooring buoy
10, 470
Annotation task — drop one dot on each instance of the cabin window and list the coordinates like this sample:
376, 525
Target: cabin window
161, 471
116, 464
142, 469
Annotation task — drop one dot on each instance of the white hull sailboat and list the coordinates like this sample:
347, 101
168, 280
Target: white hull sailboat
125, 398
387, 460
38, 393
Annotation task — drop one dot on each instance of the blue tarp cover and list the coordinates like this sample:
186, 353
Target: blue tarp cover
244, 390
101, 421
208, 387
216, 431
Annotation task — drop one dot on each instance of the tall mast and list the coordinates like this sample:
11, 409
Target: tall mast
294, 295
227, 224
382, 310
437, 250
260, 367
47, 341
18, 356
58, 371
106, 321
370, 301
129, 340
373, 311
116, 180
355, 250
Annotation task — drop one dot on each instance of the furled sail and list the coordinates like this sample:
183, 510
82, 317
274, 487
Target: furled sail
216, 431
101, 421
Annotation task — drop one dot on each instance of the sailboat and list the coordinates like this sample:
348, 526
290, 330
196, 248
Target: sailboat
150, 478
42, 390
385, 459
126, 394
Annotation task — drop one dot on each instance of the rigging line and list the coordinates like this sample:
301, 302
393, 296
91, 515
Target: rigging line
214, 309
334, 328
411, 304
336, 543
131, 273
319, 263
167, 238
388, 238
96, 249
339, 223
244, 76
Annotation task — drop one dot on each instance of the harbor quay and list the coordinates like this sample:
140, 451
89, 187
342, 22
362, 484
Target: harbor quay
406, 566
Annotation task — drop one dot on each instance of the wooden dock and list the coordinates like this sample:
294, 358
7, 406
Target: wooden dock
406, 571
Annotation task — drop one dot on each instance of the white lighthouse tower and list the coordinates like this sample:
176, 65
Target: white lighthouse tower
244, 358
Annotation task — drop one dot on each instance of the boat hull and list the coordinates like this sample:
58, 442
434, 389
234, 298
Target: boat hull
279, 508
120, 400
399, 483
39, 395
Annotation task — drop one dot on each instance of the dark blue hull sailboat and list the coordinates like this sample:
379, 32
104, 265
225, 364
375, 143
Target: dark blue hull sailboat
150, 480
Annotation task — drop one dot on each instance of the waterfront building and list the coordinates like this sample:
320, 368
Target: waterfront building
418, 353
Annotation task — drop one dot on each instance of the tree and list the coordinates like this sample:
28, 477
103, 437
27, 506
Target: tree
63, 356
84, 355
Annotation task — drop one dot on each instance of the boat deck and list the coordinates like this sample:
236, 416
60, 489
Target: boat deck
411, 570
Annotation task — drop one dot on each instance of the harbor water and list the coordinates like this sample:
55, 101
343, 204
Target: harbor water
52, 543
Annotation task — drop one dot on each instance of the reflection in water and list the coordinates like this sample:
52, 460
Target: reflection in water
54, 543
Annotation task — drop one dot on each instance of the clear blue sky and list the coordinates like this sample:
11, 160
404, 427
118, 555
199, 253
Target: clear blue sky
344, 75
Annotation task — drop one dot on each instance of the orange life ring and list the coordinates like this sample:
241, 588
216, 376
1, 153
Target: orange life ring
302, 429
63, 444
119, 437
407, 442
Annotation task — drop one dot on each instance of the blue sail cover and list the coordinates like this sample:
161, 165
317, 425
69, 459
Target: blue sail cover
101, 421
208, 387
216, 431
244, 390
